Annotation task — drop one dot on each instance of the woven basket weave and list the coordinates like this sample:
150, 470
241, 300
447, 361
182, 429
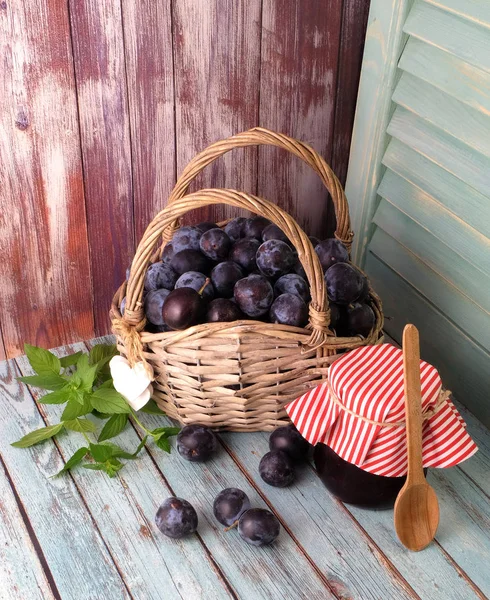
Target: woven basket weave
237, 376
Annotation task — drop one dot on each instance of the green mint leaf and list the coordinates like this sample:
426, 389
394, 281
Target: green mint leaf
42, 361
74, 409
59, 397
151, 408
70, 360
85, 373
108, 384
80, 425
107, 450
113, 427
102, 452
94, 466
113, 466
100, 415
109, 401
38, 436
140, 446
47, 381
73, 461
163, 443
102, 353
166, 431
120, 453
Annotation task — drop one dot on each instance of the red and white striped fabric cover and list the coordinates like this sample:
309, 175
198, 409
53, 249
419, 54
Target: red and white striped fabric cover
369, 382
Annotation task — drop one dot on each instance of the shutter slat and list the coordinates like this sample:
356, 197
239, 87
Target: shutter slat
444, 225
445, 150
454, 76
441, 293
458, 197
463, 364
445, 112
434, 253
474, 10
447, 31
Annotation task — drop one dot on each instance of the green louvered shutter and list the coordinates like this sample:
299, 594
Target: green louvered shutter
419, 181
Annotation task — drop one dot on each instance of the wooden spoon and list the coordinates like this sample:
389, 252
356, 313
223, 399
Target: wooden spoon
416, 508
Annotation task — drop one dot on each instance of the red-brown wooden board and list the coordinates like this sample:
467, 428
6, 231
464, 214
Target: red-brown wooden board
2, 347
46, 291
353, 30
149, 70
217, 63
298, 82
98, 49
149, 85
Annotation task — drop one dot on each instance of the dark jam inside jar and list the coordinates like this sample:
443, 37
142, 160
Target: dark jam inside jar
351, 484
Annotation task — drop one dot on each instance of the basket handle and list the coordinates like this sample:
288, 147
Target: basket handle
262, 136
133, 319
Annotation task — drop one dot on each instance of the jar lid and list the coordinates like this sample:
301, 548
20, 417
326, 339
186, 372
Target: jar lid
360, 413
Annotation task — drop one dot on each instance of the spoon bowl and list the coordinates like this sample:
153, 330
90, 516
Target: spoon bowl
416, 516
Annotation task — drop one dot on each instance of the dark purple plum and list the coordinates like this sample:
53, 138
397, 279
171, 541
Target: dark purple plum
360, 319
288, 309
292, 284
338, 319
160, 275
215, 244
258, 526
183, 308
223, 310
273, 232
186, 238
190, 260
276, 468
196, 443
168, 253
154, 302
243, 252
275, 258
196, 281
224, 276
299, 270
254, 295
344, 283
128, 272
365, 291
314, 240
253, 227
229, 505
122, 306
206, 226
289, 440
330, 252
234, 229
176, 518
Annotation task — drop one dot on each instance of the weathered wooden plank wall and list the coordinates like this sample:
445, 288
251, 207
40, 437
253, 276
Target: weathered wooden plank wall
103, 104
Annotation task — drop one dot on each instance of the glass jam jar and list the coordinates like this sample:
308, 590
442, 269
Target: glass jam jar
351, 484
356, 422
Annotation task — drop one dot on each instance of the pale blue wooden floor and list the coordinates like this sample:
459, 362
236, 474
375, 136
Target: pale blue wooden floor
85, 536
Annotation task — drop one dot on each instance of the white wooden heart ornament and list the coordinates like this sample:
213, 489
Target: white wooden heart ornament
134, 383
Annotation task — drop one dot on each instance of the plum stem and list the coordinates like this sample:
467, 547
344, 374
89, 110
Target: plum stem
204, 285
232, 526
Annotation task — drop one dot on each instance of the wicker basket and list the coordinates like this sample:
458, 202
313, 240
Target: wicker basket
237, 376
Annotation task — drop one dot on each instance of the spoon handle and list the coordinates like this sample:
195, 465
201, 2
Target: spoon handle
413, 404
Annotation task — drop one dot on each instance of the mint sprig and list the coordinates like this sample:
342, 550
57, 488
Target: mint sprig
83, 383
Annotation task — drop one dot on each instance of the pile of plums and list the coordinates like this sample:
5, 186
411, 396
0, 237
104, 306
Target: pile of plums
177, 517
249, 270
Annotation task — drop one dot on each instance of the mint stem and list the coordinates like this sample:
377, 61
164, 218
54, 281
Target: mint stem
140, 424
